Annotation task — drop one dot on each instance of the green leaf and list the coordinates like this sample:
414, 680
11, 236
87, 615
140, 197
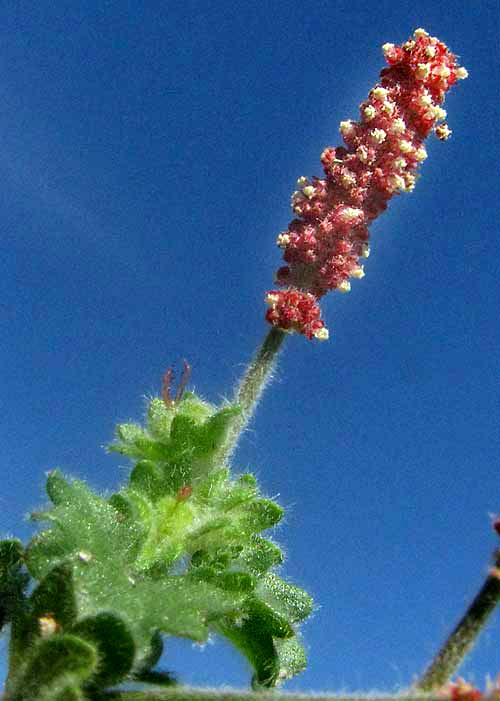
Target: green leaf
53, 658
242, 492
114, 643
13, 580
229, 581
11, 557
55, 596
194, 407
129, 433
292, 657
58, 489
150, 656
215, 429
261, 514
257, 646
211, 486
84, 527
66, 688
260, 555
184, 434
269, 620
147, 477
291, 601
159, 419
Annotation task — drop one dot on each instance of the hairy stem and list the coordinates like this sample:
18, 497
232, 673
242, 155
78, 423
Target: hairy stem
191, 694
463, 637
251, 386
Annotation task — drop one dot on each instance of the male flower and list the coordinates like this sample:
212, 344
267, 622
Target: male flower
323, 245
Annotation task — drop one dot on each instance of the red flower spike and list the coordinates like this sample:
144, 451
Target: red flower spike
460, 691
323, 244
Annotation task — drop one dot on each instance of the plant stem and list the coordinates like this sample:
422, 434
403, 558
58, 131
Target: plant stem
463, 637
192, 694
251, 386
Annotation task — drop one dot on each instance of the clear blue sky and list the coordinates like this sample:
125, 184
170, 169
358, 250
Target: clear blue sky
147, 156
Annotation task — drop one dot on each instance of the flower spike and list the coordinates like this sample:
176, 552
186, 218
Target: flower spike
323, 244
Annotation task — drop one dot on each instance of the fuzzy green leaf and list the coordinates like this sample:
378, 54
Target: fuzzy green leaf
65, 688
292, 602
292, 657
55, 596
229, 581
269, 620
148, 478
129, 433
58, 489
159, 419
13, 580
210, 487
51, 659
83, 527
11, 557
258, 647
215, 429
260, 555
196, 408
114, 643
260, 514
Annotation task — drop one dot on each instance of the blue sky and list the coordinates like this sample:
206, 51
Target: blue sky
147, 156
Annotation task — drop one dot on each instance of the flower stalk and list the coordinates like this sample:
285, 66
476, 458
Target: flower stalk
464, 635
251, 386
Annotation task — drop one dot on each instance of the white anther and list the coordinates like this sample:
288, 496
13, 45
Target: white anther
378, 136
362, 153
405, 146
396, 182
441, 71
283, 240
349, 214
398, 126
379, 93
422, 72
369, 112
321, 334
420, 154
271, 299
358, 272
346, 127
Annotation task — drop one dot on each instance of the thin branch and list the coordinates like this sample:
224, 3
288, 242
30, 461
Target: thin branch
252, 384
191, 694
451, 655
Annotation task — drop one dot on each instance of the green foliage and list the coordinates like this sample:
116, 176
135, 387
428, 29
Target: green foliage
53, 664
13, 579
177, 551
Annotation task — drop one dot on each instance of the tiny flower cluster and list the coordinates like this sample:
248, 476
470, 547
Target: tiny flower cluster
463, 691
325, 242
